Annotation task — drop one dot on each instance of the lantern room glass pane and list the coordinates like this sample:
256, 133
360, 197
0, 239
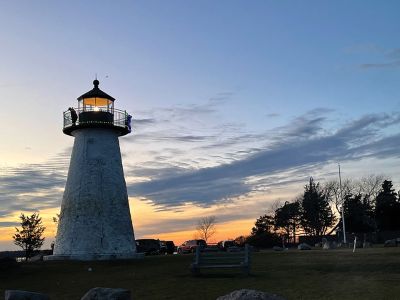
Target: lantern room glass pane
96, 101
96, 104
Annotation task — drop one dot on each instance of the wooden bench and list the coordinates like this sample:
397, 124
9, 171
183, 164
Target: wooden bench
221, 260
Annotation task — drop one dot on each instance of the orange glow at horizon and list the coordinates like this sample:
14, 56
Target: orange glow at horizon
151, 223
145, 215
224, 231
47, 215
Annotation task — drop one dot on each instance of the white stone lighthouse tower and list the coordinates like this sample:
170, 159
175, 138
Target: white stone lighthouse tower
95, 222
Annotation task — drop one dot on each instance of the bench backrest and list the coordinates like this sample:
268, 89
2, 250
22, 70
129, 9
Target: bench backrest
223, 258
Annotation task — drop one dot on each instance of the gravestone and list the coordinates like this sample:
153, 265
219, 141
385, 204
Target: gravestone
304, 246
100, 293
24, 295
246, 294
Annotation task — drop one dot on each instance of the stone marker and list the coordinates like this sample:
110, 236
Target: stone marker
277, 248
38, 257
24, 295
367, 244
245, 294
304, 246
390, 243
99, 293
326, 245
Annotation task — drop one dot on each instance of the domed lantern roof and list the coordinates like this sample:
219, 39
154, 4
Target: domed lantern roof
95, 98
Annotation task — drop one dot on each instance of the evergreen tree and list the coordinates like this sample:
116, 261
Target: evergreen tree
287, 218
387, 208
317, 215
264, 224
263, 233
358, 214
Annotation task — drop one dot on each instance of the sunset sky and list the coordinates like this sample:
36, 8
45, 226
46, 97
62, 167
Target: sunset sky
235, 104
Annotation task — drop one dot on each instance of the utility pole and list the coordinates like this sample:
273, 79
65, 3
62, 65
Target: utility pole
341, 199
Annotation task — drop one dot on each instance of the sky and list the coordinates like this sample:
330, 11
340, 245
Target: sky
235, 104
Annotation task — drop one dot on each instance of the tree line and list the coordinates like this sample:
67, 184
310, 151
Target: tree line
369, 204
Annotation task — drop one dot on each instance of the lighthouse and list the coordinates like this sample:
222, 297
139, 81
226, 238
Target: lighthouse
95, 221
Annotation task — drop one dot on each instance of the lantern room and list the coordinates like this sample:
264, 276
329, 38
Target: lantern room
96, 110
96, 100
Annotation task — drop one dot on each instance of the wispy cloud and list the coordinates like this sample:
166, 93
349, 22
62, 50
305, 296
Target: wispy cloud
392, 64
391, 59
393, 54
303, 143
217, 167
161, 136
144, 121
9, 224
272, 115
32, 187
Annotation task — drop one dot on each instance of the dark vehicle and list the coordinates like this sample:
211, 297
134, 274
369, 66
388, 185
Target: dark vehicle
167, 247
148, 246
191, 245
229, 246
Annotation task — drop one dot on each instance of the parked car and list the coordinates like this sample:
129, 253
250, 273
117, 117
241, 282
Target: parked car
229, 246
167, 247
191, 245
148, 246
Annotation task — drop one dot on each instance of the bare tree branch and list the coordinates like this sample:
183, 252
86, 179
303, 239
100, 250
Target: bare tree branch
206, 227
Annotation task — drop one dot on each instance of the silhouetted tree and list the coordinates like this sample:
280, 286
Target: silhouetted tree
264, 224
358, 214
263, 233
335, 194
240, 240
287, 218
369, 186
387, 208
206, 227
316, 214
29, 237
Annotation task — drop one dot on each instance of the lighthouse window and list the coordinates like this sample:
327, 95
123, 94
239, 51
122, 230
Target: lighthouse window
98, 104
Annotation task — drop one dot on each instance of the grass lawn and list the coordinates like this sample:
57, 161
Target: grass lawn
317, 274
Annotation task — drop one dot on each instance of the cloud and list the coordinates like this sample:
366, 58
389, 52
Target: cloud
391, 56
215, 168
220, 98
164, 136
33, 187
272, 115
392, 64
364, 48
144, 121
9, 224
303, 143
174, 224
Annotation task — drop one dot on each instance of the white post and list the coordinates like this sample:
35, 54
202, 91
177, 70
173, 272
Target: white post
341, 199
355, 243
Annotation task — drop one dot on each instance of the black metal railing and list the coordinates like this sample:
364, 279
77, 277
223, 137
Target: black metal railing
116, 117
